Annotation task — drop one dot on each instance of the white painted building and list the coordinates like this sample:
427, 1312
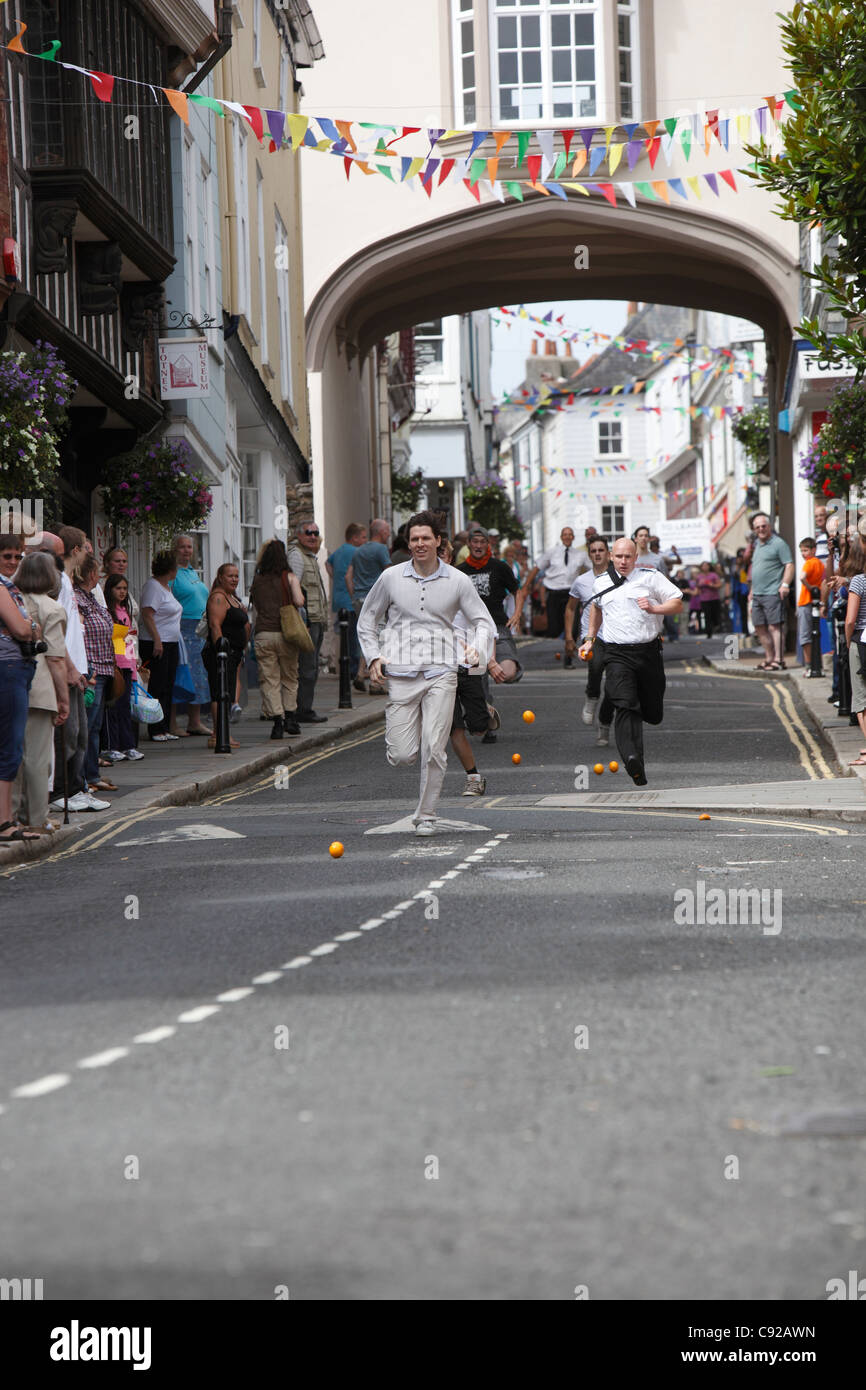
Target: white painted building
450, 434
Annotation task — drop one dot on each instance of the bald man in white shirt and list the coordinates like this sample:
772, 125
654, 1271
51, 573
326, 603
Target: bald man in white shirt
634, 603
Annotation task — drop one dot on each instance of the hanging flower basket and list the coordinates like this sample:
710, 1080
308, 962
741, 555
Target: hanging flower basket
156, 488
35, 390
836, 461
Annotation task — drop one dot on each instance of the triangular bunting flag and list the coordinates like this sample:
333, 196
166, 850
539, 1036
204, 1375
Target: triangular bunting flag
713, 182
686, 141
627, 189
178, 102
578, 188
650, 127
103, 85
254, 116
579, 162
447, 166
298, 129
670, 125
586, 135
555, 188
478, 138
559, 166
523, 139
326, 126
597, 156
615, 157
492, 166
15, 45
728, 176
567, 137
606, 190
645, 190
533, 164
345, 129
276, 126
677, 186
473, 189
633, 151
653, 147
501, 138
476, 169
694, 184
630, 129
210, 102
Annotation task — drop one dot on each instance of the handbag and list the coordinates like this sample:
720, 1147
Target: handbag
184, 685
202, 628
145, 708
292, 625
117, 689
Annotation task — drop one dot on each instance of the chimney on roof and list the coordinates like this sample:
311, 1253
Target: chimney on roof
550, 348
568, 349
633, 307
535, 347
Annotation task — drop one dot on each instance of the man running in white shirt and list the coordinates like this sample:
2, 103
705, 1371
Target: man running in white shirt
634, 603
416, 605
581, 592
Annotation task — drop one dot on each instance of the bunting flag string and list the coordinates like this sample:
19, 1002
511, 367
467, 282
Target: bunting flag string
555, 327
477, 170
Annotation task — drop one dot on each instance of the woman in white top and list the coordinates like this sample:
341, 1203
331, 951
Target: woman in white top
160, 619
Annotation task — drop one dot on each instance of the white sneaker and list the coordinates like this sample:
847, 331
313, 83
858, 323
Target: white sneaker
78, 802
587, 714
94, 803
425, 827
132, 754
235, 714
476, 785
603, 736
114, 755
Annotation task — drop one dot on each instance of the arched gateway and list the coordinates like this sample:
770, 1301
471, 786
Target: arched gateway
524, 252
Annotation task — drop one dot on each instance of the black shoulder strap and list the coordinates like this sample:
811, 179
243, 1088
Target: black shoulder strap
614, 576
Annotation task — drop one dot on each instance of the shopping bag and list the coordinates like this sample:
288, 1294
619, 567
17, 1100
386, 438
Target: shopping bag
145, 708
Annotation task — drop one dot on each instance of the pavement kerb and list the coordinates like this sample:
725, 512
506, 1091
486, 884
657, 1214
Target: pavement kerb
189, 791
837, 739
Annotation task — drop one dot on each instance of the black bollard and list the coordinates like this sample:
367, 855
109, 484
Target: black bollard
345, 682
815, 664
844, 708
223, 738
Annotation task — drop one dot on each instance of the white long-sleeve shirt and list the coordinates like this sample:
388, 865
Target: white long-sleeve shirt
410, 621
624, 623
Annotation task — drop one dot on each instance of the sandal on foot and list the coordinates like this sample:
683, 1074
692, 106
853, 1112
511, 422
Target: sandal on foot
17, 833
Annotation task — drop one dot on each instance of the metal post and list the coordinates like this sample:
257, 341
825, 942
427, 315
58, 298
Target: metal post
345, 682
223, 738
844, 708
815, 664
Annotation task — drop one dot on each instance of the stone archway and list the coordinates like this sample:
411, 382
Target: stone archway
525, 252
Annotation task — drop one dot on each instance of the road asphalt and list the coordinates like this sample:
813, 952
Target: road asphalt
553, 1047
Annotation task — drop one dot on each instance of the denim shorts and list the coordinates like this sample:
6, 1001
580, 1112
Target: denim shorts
15, 680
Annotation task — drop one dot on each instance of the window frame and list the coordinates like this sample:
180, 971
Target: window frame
545, 10
263, 280
242, 221
609, 453
631, 9
613, 530
284, 311
430, 368
459, 19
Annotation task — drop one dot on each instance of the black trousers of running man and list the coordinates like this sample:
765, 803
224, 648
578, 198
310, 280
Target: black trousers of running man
634, 683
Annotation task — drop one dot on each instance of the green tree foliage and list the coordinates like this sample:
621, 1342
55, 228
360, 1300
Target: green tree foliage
488, 503
819, 176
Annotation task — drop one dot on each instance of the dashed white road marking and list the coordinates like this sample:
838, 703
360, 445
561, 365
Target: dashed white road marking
56, 1080
198, 1015
42, 1086
159, 1034
104, 1059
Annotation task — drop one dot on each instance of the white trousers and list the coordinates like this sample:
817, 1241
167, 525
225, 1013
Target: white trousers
418, 718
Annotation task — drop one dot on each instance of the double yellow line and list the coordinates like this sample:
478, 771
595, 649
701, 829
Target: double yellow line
104, 834
807, 747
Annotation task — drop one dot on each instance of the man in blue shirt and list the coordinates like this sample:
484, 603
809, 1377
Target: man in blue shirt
368, 562
337, 564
